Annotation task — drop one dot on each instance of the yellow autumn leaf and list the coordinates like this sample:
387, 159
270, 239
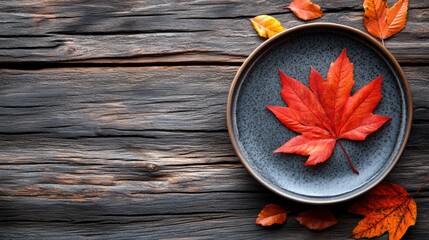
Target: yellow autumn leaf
266, 26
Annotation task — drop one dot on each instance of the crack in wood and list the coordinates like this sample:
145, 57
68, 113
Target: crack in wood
127, 32
56, 65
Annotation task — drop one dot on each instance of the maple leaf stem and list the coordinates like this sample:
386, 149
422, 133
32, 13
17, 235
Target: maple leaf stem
420, 187
348, 157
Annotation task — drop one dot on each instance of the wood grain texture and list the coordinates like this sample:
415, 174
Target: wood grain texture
95, 152
112, 119
169, 32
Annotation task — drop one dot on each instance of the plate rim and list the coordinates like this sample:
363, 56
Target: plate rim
372, 41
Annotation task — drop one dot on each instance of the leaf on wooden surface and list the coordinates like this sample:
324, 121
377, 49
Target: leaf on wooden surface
325, 112
381, 21
266, 26
387, 208
305, 9
271, 214
318, 218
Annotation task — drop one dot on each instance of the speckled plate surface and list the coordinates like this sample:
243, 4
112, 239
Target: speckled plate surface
255, 132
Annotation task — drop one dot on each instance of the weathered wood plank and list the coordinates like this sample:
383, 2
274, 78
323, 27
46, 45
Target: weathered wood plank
228, 216
91, 102
175, 162
187, 31
88, 102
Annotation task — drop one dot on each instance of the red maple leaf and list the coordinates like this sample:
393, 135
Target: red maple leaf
326, 112
387, 208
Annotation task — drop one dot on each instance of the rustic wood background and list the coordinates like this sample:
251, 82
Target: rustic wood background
112, 119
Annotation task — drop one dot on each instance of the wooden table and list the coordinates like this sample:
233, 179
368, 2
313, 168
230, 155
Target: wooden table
112, 119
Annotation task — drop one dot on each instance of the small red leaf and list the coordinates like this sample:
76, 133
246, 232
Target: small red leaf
305, 9
271, 214
318, 218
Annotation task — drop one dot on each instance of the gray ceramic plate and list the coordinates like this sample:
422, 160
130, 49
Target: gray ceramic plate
255, 132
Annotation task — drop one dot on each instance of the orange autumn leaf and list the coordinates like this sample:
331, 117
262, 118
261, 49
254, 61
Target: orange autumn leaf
271, 214
381, 21
318, 218
305, 9
266, 26
387, 208
326, 112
